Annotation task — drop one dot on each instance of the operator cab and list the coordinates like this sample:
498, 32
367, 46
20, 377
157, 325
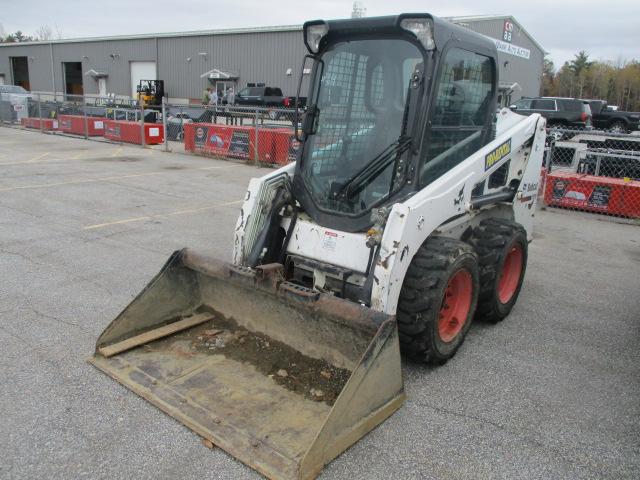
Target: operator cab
394, 103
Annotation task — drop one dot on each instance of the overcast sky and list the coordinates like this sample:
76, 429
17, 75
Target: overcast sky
607, 30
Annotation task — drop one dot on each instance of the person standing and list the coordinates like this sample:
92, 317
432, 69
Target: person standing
206, 96
213, 98
231, 98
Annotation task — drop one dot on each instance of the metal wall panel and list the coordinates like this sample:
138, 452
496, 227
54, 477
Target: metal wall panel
527, 72
98, 56
256, 57
39, 62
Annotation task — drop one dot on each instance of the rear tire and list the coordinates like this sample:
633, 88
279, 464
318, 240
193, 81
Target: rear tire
618, 127
502, 251
273, 115
431, 329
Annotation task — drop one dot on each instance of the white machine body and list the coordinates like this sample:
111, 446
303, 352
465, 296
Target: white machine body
444, 207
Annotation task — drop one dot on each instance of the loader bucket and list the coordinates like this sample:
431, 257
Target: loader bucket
281, 377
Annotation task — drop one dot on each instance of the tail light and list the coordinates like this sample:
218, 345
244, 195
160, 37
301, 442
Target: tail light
584, 116
286, 102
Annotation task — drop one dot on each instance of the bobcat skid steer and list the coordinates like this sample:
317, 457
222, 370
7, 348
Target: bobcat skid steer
407, 213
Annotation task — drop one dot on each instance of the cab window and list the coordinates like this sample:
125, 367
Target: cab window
523, 104
544, 104
462, 106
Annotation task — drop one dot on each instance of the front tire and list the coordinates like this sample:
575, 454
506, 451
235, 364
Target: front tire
437, 300
502, 250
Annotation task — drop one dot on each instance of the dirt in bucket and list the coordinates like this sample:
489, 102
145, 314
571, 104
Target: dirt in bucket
315, 379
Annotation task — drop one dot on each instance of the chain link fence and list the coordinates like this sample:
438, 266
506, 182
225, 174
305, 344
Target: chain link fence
593, 171
258, 135
589, 170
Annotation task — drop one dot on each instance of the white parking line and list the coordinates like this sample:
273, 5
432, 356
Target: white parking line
160, 215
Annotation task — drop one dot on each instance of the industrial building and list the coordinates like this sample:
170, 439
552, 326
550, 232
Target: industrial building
190, 61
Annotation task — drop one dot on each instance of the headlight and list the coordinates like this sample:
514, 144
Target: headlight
313, 33
422, 29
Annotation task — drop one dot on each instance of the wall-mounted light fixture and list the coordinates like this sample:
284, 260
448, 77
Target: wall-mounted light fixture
203, 54
289, 72
31, 59
84, 57
114, 55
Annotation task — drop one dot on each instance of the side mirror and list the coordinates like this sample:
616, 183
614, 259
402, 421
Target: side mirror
513, 107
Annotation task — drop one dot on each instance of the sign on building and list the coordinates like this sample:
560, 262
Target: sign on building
507, 31
510, 49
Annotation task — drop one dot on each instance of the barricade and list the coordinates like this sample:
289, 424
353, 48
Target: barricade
594, 171
232, 141
130, 132
614, 196
76, 124
40, 123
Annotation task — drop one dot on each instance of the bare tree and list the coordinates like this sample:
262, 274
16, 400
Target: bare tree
58, 34
3, 33
44, 32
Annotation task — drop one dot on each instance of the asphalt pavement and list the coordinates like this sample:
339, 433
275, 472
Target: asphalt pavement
551, 392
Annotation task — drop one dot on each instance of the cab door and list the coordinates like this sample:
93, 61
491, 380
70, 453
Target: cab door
462, 110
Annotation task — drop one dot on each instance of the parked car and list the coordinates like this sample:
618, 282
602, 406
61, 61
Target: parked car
559, 112
259, 97
614, 120
266, 97
175, 126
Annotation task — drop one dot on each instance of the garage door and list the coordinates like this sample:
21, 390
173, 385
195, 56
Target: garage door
141, 71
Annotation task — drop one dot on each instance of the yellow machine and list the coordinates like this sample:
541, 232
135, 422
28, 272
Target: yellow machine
150, 93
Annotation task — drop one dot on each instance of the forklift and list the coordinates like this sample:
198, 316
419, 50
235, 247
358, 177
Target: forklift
150, 93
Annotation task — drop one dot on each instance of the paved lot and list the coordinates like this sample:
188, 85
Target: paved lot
552, 392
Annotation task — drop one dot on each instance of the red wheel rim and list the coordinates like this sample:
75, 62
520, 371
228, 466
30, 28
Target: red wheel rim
455, 305
510, 275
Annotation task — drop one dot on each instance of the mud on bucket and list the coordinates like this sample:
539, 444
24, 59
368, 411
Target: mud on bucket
281, 377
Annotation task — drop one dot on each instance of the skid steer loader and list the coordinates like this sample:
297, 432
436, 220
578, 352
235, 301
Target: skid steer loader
407, 213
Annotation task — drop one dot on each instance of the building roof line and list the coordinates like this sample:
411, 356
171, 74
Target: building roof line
232, 31
142, 36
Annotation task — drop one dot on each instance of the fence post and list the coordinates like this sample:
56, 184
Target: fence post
40, 114
164, 124
255, 142
141, 124
86, 123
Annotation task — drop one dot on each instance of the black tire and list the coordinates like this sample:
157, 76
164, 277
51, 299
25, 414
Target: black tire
495, 240
618, 127
421, 301
556, 130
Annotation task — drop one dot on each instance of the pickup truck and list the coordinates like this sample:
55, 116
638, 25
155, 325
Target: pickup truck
617, 121
259, 97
